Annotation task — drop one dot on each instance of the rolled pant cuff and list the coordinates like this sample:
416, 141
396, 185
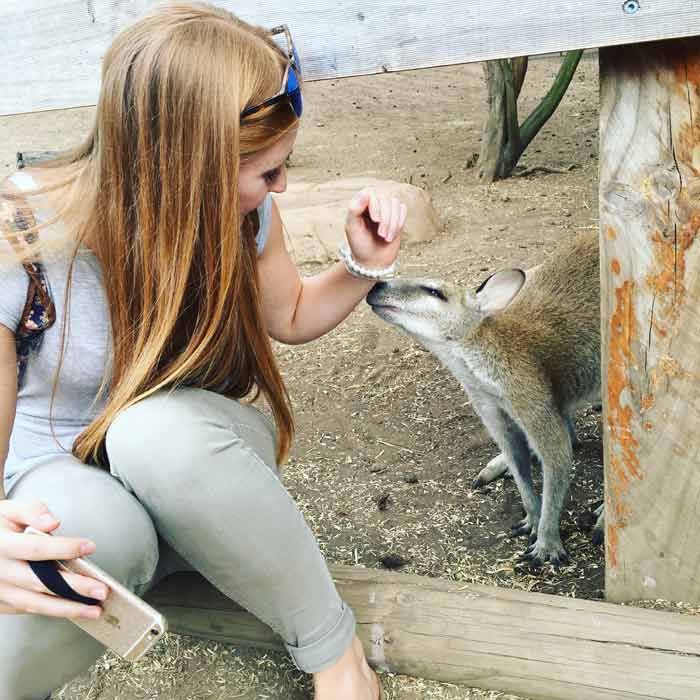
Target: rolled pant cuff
324, 652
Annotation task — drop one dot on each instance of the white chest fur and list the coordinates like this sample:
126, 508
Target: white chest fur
466, 365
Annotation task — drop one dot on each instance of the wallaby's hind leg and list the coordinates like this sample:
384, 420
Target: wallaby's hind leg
547, 432
599, 528
497, 468
516, 453
571, 429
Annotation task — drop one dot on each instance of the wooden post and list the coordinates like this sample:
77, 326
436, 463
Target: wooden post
650, 260
533, 645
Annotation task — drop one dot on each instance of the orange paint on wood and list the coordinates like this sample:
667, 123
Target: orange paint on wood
611, 234
615, 265
686, 65
667, 281
611, 541
686, 143
623, 462
693, 74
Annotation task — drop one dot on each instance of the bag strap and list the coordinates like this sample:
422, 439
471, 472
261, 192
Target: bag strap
18, 226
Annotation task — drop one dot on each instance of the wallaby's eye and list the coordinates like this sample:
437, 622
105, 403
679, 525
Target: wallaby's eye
434, 292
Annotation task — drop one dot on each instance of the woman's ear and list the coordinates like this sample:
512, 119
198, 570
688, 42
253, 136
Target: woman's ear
496, 292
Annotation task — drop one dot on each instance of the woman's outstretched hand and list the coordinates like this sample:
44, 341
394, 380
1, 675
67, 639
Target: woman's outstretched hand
20, 590
373, 227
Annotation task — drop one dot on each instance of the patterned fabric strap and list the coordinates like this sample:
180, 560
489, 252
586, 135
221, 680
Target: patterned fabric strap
17, 224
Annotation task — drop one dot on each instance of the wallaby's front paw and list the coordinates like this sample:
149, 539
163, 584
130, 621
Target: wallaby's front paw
497, 468
538, 554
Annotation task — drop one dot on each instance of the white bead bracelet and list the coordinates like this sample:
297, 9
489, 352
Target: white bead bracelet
362, 272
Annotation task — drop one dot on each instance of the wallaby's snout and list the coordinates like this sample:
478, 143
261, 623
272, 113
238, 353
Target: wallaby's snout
381, 299
429, 310
375, 294
378, 287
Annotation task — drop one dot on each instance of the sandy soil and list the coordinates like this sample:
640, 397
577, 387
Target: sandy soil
388, 444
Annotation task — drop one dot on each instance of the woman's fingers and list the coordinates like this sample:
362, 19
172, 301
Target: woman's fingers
394, 225
389, 222
18, 545
19, 574
19, 514
375, 210
374, 219
386, 217
8, 610
404, 212
20, 600
20, 589
359, 204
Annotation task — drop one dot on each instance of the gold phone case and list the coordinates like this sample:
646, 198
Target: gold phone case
128, 626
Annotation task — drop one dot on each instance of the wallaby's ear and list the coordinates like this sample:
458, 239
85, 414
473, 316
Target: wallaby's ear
496, 292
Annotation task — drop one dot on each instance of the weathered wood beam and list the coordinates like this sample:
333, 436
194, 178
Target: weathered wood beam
650, 259
50, 50
533, 645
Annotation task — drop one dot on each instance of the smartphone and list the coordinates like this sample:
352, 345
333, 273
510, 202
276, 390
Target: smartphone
128, 626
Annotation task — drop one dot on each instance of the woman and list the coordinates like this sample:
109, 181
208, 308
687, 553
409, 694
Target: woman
168, 270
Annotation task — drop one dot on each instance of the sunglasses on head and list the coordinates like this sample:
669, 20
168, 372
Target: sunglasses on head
291, 89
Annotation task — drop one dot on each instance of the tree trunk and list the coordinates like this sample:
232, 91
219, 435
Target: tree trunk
495, 135
504, 140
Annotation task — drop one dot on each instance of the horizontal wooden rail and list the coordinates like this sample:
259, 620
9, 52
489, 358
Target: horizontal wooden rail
50, 50
529, 644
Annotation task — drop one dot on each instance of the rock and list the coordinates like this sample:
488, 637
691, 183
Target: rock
314, 215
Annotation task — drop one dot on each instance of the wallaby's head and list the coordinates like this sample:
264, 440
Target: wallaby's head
435, 311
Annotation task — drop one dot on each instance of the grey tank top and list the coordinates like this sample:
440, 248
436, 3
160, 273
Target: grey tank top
86, 357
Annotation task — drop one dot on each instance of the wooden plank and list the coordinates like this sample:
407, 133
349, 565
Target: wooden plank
50, 50
650, 259
533, 645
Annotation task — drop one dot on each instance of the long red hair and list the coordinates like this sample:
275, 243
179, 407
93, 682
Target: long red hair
154, 194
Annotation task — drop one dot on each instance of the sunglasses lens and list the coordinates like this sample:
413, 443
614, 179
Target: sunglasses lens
294, 92
292, 81
297, 102
297, 60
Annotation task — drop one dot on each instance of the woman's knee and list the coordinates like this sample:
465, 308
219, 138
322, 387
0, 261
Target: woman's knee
176, 433
90, 502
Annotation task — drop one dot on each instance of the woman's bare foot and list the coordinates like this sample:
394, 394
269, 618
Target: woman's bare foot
350, 678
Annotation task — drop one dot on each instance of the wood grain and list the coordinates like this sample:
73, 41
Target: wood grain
650, 259
50, 50
529, 644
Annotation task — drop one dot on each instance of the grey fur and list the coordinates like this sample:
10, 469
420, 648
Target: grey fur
526, 349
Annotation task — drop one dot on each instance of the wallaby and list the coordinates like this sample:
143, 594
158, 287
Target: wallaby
526, 349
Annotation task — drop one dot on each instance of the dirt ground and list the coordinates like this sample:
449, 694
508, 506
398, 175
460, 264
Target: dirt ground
388, 444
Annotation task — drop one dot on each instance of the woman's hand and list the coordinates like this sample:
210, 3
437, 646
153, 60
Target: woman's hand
373, 228
20, 589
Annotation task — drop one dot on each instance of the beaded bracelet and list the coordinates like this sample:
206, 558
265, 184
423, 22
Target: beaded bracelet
362, 272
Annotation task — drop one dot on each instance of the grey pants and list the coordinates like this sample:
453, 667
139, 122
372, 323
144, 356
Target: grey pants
193, 485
